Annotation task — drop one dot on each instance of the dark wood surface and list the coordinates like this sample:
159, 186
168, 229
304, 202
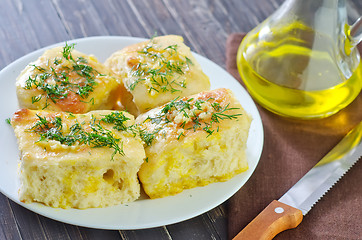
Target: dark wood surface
27, 25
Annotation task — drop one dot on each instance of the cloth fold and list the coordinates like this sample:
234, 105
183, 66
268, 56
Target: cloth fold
291, 148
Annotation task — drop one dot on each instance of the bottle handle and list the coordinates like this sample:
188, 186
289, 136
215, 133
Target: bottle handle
356, 32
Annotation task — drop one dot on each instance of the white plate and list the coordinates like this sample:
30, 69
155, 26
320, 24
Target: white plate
144, 213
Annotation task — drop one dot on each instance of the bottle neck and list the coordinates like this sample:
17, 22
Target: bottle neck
314, 13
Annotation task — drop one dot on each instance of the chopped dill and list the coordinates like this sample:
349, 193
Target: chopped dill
188, 61
51, 129
164, 74
61, 84
118, 119
91, 101
208, 130
35, 99
190, 110
67, 51
57, 61
221, 115
155, 34
146, 136
40, 69
181, 134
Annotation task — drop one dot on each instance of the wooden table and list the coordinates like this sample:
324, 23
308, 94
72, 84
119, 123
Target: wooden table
205, 24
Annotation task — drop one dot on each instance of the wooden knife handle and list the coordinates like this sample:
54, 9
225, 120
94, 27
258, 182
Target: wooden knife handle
275, 218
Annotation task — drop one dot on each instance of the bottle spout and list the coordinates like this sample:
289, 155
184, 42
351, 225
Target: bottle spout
356, 32
353, 36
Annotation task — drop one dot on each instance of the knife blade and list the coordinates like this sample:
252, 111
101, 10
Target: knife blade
288, 211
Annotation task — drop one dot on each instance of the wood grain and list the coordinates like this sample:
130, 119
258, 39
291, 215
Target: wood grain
26, 26
9, 229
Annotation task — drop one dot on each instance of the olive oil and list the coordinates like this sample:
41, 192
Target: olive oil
295, 74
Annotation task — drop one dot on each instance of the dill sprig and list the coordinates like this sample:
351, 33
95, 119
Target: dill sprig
118, 119
61, 86
67, 51
8, 121
51, 129
146, 136
221, 114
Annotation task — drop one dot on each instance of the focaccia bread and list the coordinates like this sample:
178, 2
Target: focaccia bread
156, 71
192, 142
78, 160
63, 79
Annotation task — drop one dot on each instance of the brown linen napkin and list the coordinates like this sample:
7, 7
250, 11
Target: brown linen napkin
292, 148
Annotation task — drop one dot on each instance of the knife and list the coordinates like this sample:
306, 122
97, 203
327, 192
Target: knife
288, 211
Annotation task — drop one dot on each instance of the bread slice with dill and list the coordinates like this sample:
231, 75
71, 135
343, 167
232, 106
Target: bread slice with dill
193, 141
64, 79
156, 71
78, 160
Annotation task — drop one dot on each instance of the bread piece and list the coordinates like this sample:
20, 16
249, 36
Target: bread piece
156, 71
63, 79
60, 170
192, 142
